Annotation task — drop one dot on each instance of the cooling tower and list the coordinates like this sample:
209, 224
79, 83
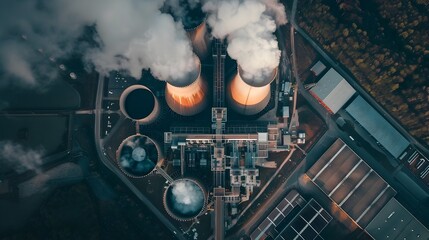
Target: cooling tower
200, 39
188, 96
184, 199
194, 22
137, 156
139, 104
249, 96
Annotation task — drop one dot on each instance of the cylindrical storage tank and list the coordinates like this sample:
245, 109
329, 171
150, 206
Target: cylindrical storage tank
137, 156
139, 104
200, 39
249, 96
187, 97
185, 199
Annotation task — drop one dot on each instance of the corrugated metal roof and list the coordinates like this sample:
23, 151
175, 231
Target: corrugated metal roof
333, 90
377, 126
318, 68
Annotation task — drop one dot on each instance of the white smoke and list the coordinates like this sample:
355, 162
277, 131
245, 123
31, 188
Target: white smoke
19, 158
182, 10
188, 197
248, 26
38, 23
133, 35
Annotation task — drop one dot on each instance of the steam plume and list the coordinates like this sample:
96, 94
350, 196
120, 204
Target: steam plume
248, 26
187, 11
188, 197
18, 158
132, 34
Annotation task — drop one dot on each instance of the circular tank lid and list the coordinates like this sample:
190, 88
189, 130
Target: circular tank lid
184, 199
137, 156
139, 103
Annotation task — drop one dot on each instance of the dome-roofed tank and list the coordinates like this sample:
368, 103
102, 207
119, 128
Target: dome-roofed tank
139, 104
249, 96
184, 199
137, 156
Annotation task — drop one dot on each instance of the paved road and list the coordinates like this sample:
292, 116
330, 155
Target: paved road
102, 155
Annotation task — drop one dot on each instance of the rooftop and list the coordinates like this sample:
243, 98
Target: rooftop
395, 222
377, 126
333, 90
350, 183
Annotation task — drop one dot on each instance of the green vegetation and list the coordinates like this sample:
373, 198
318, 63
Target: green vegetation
385, 45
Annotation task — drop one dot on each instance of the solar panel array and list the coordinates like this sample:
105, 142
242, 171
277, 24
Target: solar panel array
308, 224
292, 218
268, 227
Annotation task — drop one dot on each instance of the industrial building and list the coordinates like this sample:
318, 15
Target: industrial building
332, 91
293, 218
394, 221
377, 126
353, 185
361, 193
318, 68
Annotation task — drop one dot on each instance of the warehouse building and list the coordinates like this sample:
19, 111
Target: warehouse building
332, 91
293, 218
396, 222
351, 183
376, 125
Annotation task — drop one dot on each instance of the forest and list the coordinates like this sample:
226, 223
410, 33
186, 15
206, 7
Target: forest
385, 45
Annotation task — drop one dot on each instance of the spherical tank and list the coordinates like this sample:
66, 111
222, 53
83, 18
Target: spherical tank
185, 199
139, 104
137, 156
190, 99
249, 96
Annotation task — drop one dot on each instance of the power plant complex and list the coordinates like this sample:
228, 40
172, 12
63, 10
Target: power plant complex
212, 155
214, 119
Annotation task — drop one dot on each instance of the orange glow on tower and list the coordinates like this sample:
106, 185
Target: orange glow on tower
187, 100
200, 39
247, 98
